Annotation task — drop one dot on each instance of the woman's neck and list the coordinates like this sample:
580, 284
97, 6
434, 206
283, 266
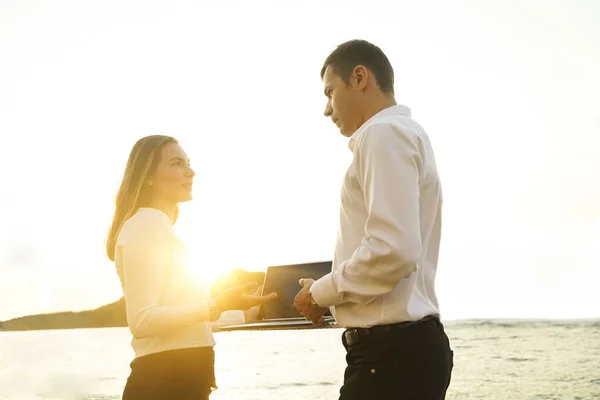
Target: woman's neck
167, 207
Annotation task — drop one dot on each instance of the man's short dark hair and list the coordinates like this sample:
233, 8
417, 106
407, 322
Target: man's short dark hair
348, 55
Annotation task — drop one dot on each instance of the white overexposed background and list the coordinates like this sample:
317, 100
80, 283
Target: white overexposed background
509, 93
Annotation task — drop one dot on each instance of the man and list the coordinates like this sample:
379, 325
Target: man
381, 287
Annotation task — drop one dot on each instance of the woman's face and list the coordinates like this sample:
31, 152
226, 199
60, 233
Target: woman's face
173, 178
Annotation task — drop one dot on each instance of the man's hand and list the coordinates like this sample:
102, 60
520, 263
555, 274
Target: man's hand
312, 312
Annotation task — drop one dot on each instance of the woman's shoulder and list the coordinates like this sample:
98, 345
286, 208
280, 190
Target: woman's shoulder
146, 223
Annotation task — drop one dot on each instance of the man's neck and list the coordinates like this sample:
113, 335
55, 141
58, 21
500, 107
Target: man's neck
374, 106
380, 103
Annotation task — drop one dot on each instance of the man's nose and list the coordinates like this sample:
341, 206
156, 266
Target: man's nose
328, 110
191, 173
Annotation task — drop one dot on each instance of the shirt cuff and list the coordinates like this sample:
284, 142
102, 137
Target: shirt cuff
324, 291
199, 312
232, 317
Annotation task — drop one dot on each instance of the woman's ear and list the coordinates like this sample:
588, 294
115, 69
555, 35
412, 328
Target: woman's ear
149, 180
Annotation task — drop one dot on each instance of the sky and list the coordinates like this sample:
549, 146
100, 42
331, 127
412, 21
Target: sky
508, 91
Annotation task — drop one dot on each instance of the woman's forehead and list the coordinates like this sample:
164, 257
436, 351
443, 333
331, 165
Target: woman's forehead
173, 150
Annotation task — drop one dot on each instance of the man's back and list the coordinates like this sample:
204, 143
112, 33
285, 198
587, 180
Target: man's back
390, 223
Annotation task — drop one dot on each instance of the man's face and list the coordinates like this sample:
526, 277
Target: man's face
343, 102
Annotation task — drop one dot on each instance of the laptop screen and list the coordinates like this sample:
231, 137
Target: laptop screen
283, 279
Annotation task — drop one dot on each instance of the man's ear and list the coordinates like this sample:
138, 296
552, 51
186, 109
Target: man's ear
360, 76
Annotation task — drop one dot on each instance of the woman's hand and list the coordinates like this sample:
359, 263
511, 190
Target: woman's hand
237, 298
251, 314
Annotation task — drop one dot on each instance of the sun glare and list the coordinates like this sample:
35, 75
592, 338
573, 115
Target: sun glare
206, 266
205, 270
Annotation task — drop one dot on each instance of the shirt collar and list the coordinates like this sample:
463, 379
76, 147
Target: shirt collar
393, 110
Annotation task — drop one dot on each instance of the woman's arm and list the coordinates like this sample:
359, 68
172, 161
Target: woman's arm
144, 259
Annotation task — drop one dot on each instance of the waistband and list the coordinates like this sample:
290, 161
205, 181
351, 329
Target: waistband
353, 336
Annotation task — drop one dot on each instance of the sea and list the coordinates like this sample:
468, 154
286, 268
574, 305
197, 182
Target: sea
494, 360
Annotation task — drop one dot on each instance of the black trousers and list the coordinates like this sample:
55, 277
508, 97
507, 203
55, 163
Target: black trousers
407, 361
185, 374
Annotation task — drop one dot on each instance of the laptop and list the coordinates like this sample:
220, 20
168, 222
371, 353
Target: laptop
281, 312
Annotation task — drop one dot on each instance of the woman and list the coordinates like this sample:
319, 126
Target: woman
168, 313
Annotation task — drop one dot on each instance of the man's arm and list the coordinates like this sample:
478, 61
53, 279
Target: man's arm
388, 164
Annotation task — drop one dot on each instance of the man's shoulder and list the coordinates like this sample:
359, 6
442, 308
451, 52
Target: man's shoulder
401, 123
390, 129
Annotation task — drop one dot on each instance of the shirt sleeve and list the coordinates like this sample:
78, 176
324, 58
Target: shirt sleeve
144, 259
229, 317
388, 163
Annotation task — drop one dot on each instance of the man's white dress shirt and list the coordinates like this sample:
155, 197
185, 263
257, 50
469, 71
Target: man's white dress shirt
387, 247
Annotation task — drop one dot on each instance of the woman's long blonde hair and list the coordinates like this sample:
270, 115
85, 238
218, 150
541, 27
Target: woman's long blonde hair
134, 191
